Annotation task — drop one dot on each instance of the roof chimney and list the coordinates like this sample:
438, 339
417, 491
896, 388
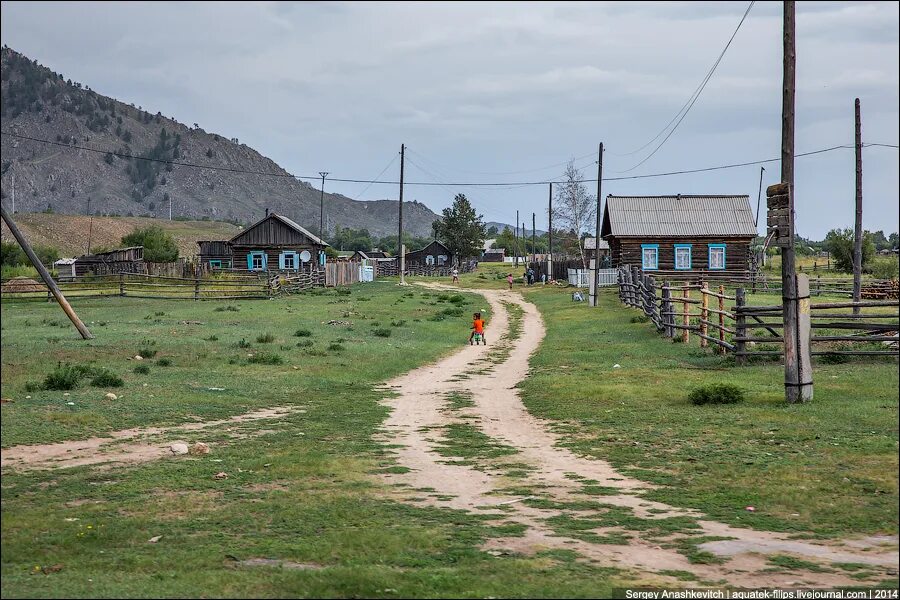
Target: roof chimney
267, 212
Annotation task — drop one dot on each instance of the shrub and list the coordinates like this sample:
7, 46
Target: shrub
303, 333
717, 393
145, 350
304, 343
399, 323
32, 386
342, 291
266, 338
335, 347
885, 268
640, 319
66, 377
212, 338
266, 358
457, 299
159, 245
106, 379
164, 362
832, 358
142, 370
453, 311
228, 308
243, 343
381, 332
437, 317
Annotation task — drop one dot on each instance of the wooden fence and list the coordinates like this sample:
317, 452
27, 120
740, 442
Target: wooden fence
680, 311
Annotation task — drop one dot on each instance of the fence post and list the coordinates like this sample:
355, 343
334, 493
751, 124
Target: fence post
667, 310
197, 288
740, 326
621, 279
686, 315
654, 307
722, 349
704, 314
121, 284
638, 294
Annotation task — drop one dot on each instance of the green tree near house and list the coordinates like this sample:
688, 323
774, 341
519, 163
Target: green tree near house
839, 242
159, 246
461, 229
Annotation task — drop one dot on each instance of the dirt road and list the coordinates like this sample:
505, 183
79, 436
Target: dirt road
531, 480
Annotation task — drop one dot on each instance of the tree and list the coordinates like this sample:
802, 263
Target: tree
881, 242
574, 210
159, 246
893, 240
461, 229
492, 231
839, 242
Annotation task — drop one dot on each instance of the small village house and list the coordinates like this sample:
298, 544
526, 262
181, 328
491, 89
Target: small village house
121, 260
680, 234
434, 254
275, 243
494, 255
590, 251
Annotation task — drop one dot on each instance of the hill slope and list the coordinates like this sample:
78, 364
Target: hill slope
69, 233
40, 104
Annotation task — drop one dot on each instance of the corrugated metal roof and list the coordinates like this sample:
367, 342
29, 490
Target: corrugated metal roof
589, 244
678, 216
302, 230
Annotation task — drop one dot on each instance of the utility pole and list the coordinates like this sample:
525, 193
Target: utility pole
533, 249
857, 230
759, 197
323, 174
517, 239
400, 217
170, 207
596, 283
14, 193
90, 233
795, 289
550, 235
54, 289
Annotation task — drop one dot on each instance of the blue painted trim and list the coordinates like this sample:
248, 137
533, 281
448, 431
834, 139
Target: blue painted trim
251, 255
282, 262
724, 257
655, 266
215, 264
690, 257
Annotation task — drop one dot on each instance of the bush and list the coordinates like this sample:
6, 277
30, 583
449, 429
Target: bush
66, 377
398, 323
159, 246
454, 311
885, 268
106, 379
164, 362
640, 319
266, 338
303, 333
266, 358
335, 347
457, 299
145, 350
717, 393
381, 332
142, 370
212, 338
305, 343
243, 343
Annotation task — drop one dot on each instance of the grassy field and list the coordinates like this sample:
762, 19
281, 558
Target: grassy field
828, 467
300, 489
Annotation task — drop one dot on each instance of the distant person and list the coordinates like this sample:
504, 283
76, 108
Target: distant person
455, 274
530, 273
477, 335
509, 279
543, 279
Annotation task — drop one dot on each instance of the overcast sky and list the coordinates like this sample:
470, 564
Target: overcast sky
499, 92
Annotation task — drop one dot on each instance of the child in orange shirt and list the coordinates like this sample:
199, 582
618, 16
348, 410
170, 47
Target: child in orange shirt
477, 330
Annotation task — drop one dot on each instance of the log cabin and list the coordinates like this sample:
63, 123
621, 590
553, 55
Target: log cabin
681, 235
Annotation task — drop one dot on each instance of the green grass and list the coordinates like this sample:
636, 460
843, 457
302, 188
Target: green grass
302, 492
829, 466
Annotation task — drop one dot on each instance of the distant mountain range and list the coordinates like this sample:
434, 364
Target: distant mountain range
501, 226
66, 176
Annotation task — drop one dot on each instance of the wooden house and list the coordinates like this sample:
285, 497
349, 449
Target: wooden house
121, 260
494, 255
215, 254
434, 254
590, 250
680, 235
276, 243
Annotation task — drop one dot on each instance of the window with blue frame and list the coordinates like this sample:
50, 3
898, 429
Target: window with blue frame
682, 257
717, 257
215, 264
256, 261
649, 256
288, 260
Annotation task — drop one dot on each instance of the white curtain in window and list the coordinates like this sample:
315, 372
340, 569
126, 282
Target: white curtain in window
717, 258
682, 258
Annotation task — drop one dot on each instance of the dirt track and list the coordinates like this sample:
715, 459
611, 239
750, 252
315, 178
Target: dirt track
422, 410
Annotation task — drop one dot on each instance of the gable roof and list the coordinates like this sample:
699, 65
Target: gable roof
678, 216
590, 244
431, 243
284, 220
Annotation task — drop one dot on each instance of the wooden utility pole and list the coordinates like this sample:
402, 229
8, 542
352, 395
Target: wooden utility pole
550, 235
517, 239
759, 197
54, 289
797, 365
533, 249
323, 174
595, 286
400, 216
857, 229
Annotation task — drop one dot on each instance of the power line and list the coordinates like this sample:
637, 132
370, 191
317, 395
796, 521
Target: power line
506, 184
393, 160
686, 109
553, 166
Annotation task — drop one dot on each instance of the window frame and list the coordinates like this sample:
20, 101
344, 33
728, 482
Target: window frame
295, 260
251, 256
655, 248
215, 263
709, 261
690, 257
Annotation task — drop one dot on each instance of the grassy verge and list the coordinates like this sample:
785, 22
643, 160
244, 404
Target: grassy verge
828, 467
299, 491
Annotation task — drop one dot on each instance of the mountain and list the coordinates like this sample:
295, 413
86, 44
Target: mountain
501, 226
66, 176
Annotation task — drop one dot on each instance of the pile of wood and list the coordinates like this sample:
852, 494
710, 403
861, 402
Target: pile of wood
882, 290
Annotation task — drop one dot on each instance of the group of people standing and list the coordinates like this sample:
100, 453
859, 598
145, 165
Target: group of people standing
528, 278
